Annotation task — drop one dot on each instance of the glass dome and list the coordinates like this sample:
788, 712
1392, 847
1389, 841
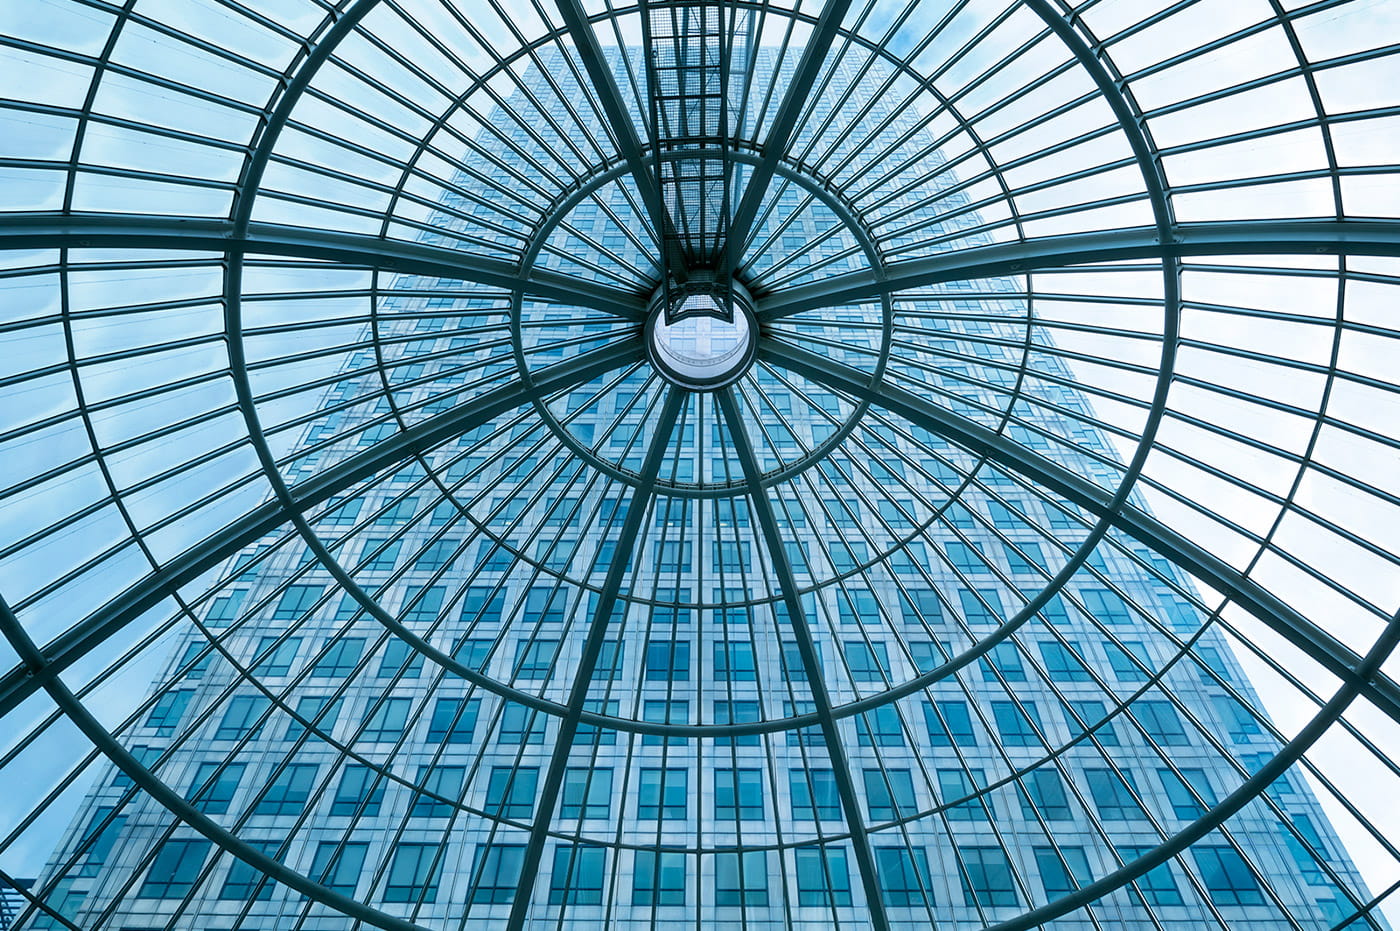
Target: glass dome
802, 465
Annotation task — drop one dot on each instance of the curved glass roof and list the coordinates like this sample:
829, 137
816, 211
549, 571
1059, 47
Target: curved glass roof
415, 410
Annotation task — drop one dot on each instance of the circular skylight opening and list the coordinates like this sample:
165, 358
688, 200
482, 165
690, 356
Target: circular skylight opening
702, 351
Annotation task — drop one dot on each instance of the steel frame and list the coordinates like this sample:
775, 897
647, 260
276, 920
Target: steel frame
1257, 237
234, 241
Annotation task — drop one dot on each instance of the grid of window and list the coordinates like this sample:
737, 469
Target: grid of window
348, 487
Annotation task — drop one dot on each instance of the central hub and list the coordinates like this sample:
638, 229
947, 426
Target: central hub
706, 346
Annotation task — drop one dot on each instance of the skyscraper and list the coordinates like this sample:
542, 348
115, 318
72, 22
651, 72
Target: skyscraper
666, 617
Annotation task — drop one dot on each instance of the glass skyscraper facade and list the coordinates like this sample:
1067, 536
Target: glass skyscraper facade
568, 669
870, 464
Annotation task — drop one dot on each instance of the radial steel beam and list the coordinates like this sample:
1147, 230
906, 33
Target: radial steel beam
775, 146
598, 628
1255, 237
24, 680
811, 663
98, 231
624, 131
1327, 650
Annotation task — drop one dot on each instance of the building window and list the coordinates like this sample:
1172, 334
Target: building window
1062, 662
904, 876
510, 792
296, 600
437, 555
658, 878
340, 658
194, 665
444, 782
413, 873
738, 712
673, 556
809, 736
949, 724
1017, 723
664, 712
1157, 885
1091, 713
741, 878
100, 838
662, 794
361, 791
668, 661
814, 795
1125, 667
384, 559
588, 734
248, 883
277, 658
400, 660
385, 722
1061, 869
986, 877
954, 784
422, 606
1179, 792
868, 662
587, 792
241, 717
857, 606
739, 794
922, 608
1112, 796
880, 728
289, 791
791, 657
473, 652
224, 609
1043, 791
520, 725
174, 869
926, 655
1161, 722
577, 877
544, 605
609, 665
483, 604
734, 661
889, 794
534, 659
983, 610
318, 710
338, 866
1239, 722
822, 876
1003, 659
965, 558
453, 720
1227, 876
167, 711
1106, 606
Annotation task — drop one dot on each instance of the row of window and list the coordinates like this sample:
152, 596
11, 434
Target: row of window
664, 793
821, 875
542, 605
734, 660
947, 722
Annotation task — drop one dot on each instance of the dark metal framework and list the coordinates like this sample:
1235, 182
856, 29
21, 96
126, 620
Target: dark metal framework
207, 253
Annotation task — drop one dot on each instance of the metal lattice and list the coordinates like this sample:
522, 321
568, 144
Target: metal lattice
1010, 539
